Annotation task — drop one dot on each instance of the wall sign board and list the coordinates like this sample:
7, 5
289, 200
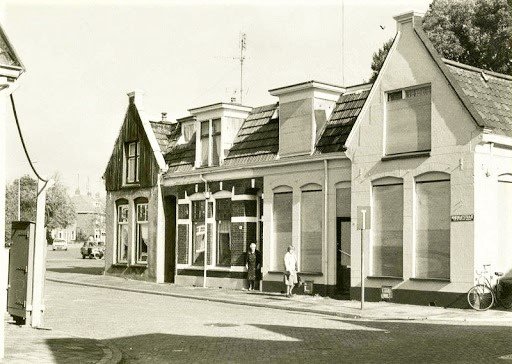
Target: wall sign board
458, 218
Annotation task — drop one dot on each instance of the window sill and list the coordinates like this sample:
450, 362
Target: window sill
445, 280
120, 265
131, 185
390, 157
386, 277
316, 274
139, 265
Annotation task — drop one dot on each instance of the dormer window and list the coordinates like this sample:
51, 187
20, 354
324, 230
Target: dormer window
132, 154
210, 142
408, 120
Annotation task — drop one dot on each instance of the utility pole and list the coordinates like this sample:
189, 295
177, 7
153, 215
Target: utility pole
241, 59
19, 199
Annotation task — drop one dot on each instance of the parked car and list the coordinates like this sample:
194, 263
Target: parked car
59, 244
91, 250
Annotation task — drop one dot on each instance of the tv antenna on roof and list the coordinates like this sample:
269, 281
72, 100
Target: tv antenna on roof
241, 59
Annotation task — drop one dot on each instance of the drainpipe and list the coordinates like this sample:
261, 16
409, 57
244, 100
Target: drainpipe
206, 197
326, 200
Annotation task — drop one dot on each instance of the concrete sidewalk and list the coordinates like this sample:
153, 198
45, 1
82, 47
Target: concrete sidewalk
308, 304
24, 344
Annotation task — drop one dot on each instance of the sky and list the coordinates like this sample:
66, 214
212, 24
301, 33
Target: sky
83, 57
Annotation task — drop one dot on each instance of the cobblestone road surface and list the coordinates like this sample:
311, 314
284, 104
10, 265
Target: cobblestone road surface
158, 329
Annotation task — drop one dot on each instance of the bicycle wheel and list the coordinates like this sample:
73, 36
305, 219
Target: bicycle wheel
504, 300
481, 297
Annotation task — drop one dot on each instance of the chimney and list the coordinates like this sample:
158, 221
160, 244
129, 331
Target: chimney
408, 19
136, 97
304, 109
164, 116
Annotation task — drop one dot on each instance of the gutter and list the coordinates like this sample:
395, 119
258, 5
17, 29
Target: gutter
273, 163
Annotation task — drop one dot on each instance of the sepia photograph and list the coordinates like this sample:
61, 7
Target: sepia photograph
246, 181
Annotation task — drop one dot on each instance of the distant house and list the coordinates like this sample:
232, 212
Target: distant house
90, 219
428, 147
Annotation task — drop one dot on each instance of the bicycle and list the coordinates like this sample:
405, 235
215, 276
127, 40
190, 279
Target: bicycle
484, 294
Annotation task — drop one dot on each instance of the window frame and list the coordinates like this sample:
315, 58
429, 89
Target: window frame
427, 178
128, 158
119, 225
138, 226
209, 137
384, 182
390, 96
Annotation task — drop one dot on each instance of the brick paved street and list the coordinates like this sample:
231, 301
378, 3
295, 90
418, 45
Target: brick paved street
156, 329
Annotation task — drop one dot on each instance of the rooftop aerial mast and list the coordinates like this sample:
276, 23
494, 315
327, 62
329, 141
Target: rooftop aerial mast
241, 59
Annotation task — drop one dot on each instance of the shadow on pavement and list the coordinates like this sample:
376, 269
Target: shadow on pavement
75, 350
368, 342
79, 270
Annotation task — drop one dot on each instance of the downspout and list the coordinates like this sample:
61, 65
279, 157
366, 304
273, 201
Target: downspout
206, 196
326, 200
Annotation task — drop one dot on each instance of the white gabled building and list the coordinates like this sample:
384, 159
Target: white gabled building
431, 154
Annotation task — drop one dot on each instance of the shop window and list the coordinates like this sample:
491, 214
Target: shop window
223, 221
311, 231
432, 228
132, 153
122, 232
198, 232
387, 228
282, 227
183, 243
408, 120
142, 232
183, 211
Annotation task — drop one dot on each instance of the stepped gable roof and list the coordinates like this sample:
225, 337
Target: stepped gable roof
258, 138
343, 118
489, 92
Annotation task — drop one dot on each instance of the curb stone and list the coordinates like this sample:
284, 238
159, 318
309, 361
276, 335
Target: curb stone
112, 354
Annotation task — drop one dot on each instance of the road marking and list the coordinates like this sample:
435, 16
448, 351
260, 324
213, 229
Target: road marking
506, 357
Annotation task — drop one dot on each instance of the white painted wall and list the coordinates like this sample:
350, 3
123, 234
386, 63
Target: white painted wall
452, 136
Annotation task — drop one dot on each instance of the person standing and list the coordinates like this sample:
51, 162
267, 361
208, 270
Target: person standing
253, 265
290, 267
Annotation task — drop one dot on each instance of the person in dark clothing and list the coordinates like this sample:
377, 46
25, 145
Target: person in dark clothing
253, 265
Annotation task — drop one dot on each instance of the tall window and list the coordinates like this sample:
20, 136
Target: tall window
198, 232
122, 233
282, 226
205, 142
311, 231
408, 120
223, 221
433, 229
211, 147
132, 162
387, 239
216, 142
142, 231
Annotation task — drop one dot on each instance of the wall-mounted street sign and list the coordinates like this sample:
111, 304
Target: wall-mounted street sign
468, 217
363, 217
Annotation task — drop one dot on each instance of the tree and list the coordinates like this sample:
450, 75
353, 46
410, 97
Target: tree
475, 32
59, 211
379, 58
